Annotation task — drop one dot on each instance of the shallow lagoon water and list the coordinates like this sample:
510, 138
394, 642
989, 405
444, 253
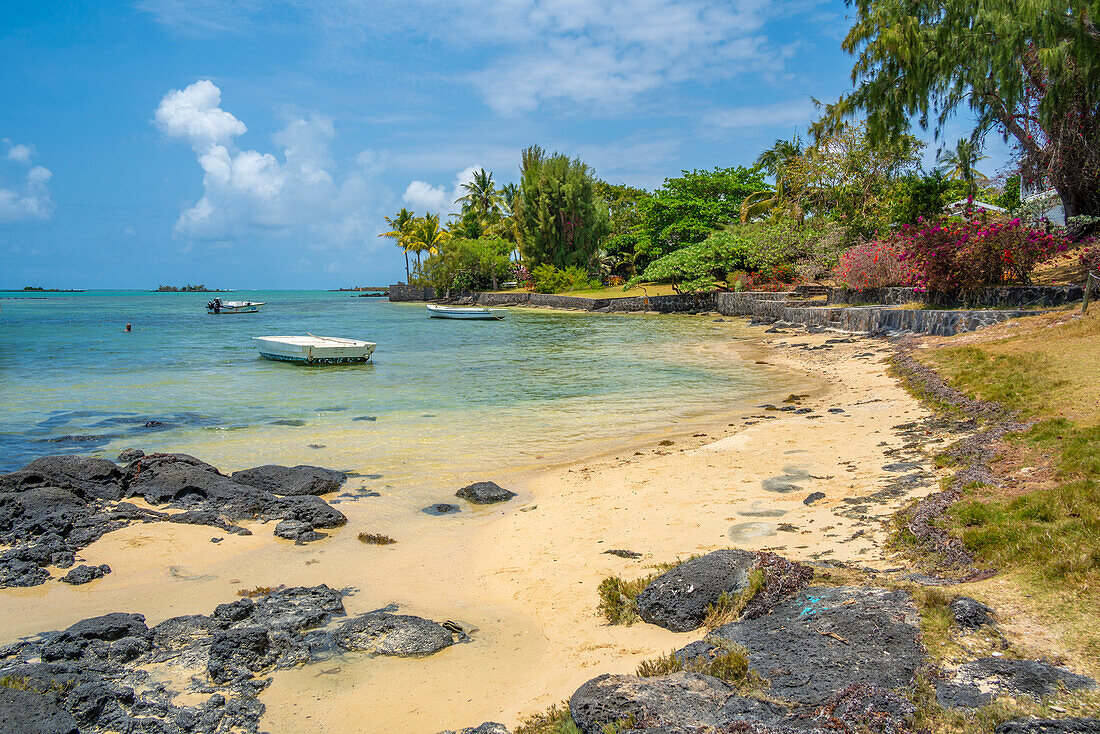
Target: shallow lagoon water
441, 401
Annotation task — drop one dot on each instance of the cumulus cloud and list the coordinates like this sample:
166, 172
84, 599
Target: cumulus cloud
421, 196
27, 197
246, 192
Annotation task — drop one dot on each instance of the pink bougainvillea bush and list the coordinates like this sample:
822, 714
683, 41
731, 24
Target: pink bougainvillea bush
876, 264
966, 254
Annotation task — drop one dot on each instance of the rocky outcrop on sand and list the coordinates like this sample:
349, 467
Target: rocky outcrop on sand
115, 674
976, 683
57, 505
485, 493
291, 480
489, 727
800, 659
680, 598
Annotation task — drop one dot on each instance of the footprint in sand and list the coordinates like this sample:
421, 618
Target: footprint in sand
751, 530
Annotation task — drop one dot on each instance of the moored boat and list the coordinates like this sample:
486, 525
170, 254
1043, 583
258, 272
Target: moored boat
314, 349
437, 311
219, 306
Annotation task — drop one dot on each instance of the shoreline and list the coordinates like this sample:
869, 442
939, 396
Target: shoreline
524, 574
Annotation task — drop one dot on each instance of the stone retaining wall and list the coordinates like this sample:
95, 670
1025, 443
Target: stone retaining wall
770, 306
402, 292
1046, 296
865, 319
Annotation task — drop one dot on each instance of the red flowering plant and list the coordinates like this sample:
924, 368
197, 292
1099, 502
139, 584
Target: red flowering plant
961, 255
875, 264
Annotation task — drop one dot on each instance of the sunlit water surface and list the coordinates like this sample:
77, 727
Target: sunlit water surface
443, 400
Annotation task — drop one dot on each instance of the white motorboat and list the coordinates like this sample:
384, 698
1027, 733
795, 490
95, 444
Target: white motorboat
465, 312
314, 349
219, 306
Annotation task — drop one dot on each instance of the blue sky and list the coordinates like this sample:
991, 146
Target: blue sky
259, 143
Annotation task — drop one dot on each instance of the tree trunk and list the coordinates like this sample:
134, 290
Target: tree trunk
408, 277
1080, 203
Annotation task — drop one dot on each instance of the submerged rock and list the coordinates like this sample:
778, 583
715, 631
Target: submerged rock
440, 508
485, 493
679, 598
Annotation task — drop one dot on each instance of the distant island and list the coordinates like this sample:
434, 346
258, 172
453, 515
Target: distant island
187, 289
40, 289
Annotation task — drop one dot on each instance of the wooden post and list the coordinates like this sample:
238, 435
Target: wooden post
1088, 290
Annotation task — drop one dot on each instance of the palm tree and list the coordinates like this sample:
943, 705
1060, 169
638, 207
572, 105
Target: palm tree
960, 163
776, 160
399, 231
481, 195
427, 236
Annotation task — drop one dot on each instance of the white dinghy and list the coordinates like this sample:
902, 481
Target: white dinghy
465, 312
314, 349
219, 306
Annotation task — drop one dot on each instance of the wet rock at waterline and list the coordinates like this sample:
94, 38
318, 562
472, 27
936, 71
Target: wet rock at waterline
813, 497
58, 505
127, 455
485, 493
99, 675
678, 599
441, 508
298, 531
291, 480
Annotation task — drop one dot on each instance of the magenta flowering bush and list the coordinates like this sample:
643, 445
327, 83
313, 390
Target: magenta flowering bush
966, 254
876, 264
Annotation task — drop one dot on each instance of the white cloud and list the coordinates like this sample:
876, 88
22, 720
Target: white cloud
794, 112
29, 196
246, 192
20, 153
523, 54
423, 197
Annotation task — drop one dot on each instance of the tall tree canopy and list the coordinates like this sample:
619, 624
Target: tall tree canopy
561, 220
1027, 68
688, 208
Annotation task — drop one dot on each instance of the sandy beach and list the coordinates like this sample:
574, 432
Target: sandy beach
523, 575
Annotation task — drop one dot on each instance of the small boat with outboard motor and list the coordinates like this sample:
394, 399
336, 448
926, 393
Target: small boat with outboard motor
437, 311
219, 306
312, 349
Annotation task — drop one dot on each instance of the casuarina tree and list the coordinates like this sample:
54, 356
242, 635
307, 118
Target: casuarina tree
1025, 68
560, 218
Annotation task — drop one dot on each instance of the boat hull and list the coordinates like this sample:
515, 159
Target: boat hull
465, 313
226, 307
352, 352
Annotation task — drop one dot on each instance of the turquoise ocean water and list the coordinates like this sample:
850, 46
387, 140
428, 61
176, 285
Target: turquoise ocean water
442, 399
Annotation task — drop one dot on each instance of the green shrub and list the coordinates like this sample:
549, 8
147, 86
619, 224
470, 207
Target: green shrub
549, 279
